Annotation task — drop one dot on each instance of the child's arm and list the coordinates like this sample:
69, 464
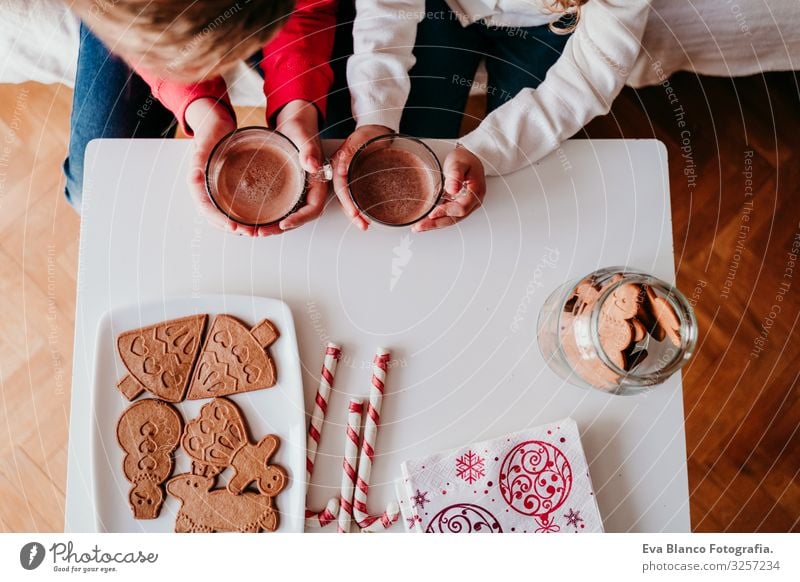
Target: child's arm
384, 32
297, 60
297, 78
581, 85
211, 121
178, 96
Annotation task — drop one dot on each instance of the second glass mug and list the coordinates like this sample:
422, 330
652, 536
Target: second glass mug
258, 191
397, 180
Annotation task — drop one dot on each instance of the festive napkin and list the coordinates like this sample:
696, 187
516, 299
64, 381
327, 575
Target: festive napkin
534, 481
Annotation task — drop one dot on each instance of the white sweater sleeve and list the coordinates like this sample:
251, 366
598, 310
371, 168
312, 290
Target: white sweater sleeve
384, 32
581, 84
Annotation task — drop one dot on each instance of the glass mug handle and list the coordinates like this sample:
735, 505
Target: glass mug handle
460, 194
324, 174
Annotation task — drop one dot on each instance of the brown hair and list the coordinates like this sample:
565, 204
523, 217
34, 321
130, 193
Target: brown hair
566, 7
184, 39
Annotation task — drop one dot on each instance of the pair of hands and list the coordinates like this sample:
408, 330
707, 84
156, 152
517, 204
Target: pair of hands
212, 121
298, 120
461, 168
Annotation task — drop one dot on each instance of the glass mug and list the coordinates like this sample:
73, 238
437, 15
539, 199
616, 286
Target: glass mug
617, 330
396, 180
254, 176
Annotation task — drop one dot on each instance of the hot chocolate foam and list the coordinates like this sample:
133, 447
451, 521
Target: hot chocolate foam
258, 184
394, 186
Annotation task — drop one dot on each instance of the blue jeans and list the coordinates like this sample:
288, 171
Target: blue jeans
447, 56
109, 101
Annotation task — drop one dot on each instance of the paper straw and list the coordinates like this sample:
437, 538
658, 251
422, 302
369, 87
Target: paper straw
324, 517
349, 463
332, 354
391, 515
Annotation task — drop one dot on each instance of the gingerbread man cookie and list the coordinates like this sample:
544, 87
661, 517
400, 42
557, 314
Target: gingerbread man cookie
218, 438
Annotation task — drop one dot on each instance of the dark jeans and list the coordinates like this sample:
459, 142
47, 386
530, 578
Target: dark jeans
109, 101
339, 121
447, 56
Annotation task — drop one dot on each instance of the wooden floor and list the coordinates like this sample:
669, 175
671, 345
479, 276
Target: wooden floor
742, 408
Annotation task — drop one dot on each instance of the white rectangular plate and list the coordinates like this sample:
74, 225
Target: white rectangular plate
278, 410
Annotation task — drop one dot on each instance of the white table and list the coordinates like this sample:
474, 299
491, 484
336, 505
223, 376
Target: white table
459, 312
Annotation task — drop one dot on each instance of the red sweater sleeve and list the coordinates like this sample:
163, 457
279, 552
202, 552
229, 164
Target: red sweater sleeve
177, 96
296, 61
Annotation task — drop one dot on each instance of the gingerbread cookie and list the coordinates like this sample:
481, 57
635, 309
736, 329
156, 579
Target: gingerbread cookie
218, 438
205, 509
615, 337
623, 303
646, 316
583, 298
665, 317
160, 357
590, 369
639, 330
234, 359
618, 328
148, 431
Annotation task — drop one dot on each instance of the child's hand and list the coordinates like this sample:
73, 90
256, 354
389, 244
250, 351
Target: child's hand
341, 163
299, 121
210, 122
461, 168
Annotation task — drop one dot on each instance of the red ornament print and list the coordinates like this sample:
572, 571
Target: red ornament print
464, 518
536, 479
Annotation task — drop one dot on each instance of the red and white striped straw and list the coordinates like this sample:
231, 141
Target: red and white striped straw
349, 463
324, 517
391, 515
332, 354
387, 519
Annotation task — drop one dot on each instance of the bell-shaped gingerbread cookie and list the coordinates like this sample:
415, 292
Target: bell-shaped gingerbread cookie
218, 438
160, 357
234, 359
148, 431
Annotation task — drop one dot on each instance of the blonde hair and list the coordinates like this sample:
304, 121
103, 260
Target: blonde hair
570, 7
186, 40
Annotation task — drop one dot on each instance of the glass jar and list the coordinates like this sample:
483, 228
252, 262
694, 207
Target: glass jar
617, 330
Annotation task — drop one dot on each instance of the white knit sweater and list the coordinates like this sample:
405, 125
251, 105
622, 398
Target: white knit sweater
582, 84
